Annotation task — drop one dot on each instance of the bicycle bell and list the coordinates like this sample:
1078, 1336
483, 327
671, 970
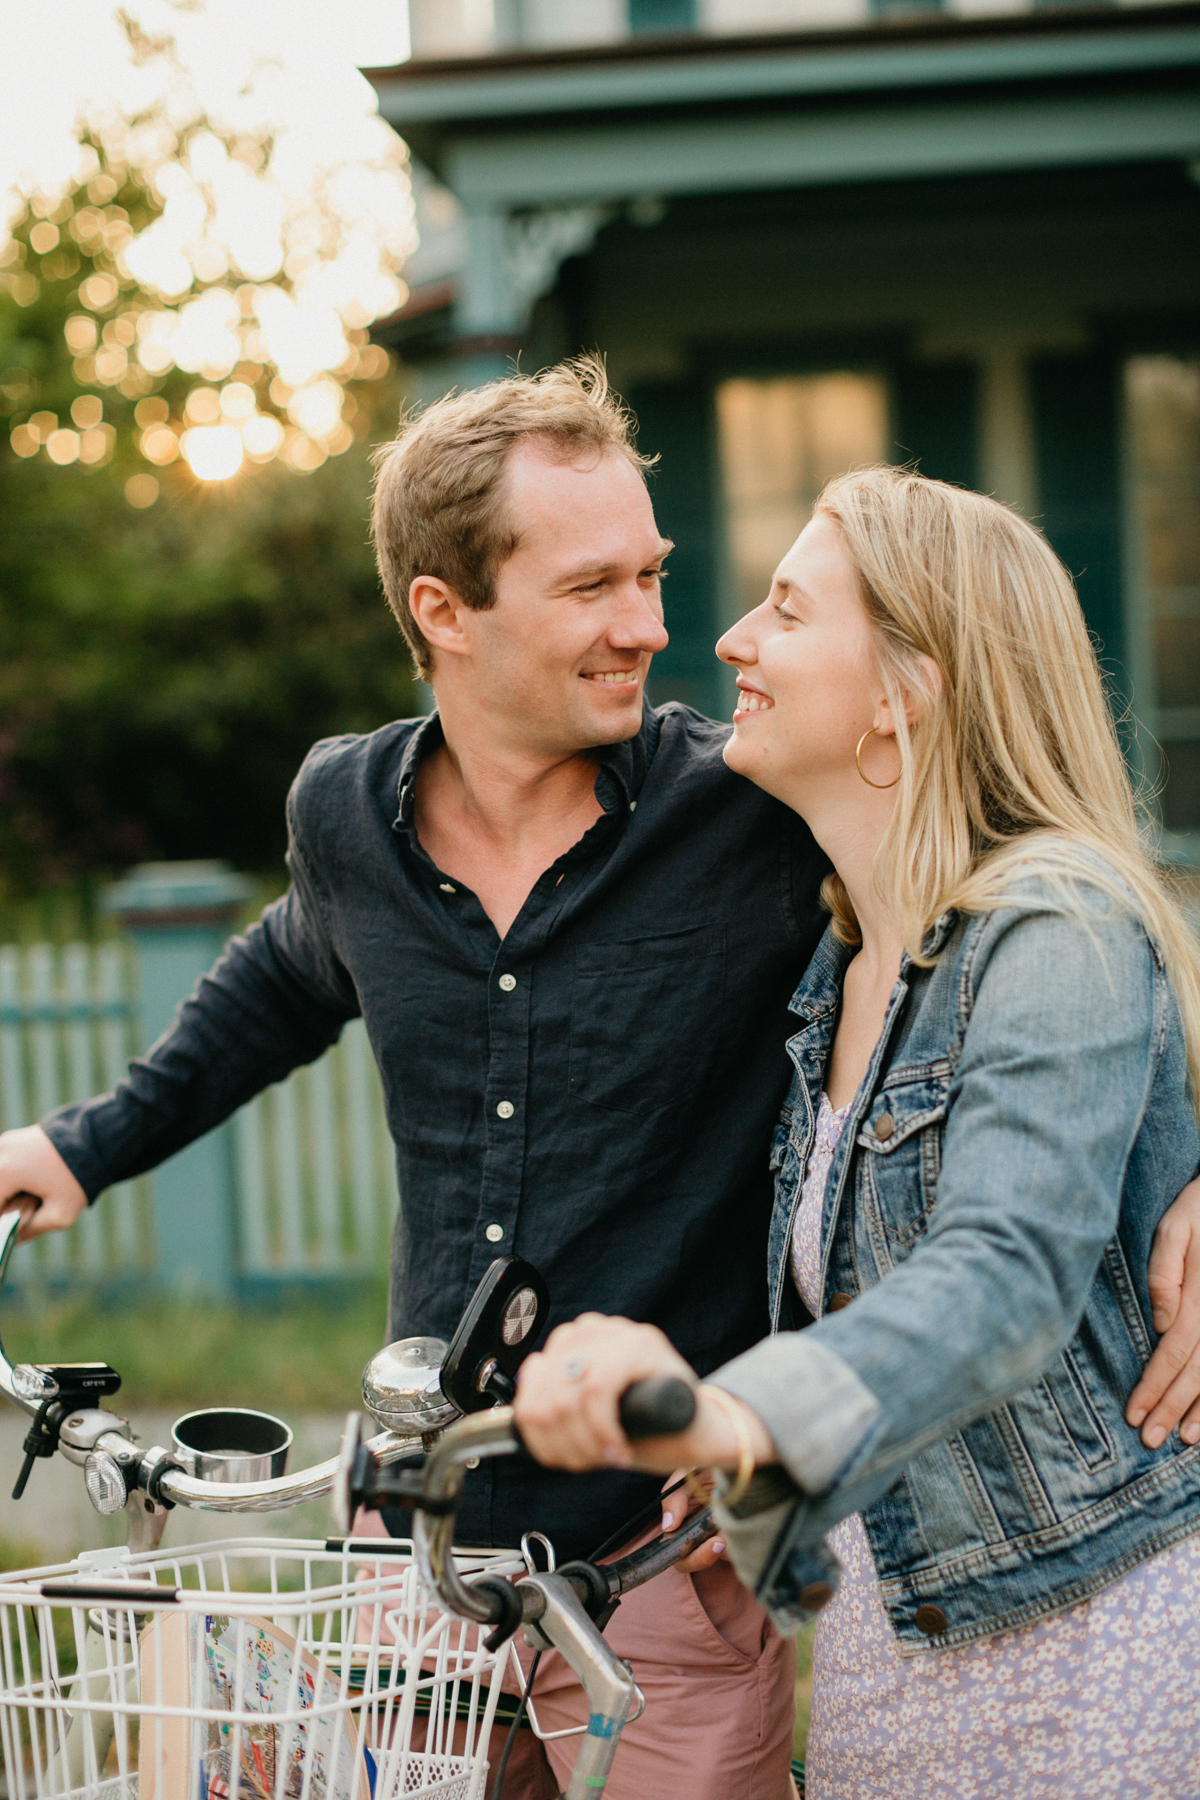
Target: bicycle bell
498, 1330
402, 1389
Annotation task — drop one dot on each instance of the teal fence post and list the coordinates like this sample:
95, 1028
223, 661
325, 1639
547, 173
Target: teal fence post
178, 916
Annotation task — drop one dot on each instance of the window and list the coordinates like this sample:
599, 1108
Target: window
662, 15
1162, 396
780, 442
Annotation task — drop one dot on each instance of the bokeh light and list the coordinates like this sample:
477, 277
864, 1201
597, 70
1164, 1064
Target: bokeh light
242, 214
160, 445
262, 436
96, 444
141, 490
62, 447
237, 400
212, 452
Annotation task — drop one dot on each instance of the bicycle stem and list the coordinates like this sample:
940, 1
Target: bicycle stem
552, 1606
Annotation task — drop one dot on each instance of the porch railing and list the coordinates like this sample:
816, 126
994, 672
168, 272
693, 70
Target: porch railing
312, 1178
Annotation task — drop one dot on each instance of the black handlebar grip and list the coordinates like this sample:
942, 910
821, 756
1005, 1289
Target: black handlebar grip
657, 1408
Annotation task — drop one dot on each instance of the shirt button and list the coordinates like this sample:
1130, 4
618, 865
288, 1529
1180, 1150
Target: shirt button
505, 1110
448, 887
884, 1127
930, 1619
838, 1301
633, 806
508, 983
494, 1233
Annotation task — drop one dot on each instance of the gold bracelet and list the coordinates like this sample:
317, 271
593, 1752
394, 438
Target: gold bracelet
733, 1412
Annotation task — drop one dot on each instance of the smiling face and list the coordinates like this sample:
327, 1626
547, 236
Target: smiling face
559, 663
807, 683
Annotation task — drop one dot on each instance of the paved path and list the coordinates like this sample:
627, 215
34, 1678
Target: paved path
55, 1520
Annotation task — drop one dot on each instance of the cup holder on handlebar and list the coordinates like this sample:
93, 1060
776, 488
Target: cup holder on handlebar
231, 1443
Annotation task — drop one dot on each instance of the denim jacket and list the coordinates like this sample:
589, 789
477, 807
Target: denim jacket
1025, 1121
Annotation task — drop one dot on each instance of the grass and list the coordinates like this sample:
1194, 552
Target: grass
804, 1658
306, 1354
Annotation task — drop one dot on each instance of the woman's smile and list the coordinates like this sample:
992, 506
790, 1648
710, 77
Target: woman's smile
750, 700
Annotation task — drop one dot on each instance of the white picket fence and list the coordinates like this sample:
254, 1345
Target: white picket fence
314, 1176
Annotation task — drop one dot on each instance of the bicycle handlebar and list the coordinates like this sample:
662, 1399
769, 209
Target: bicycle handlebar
648, 1409
156, 1468
563, 1610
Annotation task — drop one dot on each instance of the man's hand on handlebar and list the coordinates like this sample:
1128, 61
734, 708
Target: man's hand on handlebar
568, 1393
35, 1179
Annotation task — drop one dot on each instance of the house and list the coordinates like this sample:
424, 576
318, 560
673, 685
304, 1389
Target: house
813, 233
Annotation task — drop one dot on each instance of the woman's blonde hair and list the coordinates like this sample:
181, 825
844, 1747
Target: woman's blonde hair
1012, 761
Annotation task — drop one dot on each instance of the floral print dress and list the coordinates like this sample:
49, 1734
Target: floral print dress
1102, 1700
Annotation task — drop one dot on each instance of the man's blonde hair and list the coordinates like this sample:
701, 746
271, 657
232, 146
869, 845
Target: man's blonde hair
439, 506
1012, 763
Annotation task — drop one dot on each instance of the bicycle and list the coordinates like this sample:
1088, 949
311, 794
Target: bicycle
276, 1669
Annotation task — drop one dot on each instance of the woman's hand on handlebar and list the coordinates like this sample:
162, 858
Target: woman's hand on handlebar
35, 1179
568, 1393
679, 1505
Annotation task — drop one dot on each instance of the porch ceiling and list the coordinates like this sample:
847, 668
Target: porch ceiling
711, 115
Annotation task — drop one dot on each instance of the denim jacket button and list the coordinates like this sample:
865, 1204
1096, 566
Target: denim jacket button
930, 1619
837, 1301
884, 1127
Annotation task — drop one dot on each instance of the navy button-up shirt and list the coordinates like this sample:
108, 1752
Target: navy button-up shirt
595, 1092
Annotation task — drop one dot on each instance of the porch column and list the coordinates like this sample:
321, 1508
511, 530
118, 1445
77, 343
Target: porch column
178, 916
513, 258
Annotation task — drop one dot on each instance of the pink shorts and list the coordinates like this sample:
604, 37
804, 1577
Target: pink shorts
719, 1684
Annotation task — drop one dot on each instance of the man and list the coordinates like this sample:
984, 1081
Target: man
572, 934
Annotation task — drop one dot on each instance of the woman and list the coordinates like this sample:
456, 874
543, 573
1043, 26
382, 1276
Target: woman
996, 1066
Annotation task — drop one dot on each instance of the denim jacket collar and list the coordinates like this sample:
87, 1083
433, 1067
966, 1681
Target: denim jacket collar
820, 992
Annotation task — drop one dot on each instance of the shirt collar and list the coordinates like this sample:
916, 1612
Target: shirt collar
427, 738
619, 780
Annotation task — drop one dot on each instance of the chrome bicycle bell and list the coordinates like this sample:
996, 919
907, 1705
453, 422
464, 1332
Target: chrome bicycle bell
402, 1387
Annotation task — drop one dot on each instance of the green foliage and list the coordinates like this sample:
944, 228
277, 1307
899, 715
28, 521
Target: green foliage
163, 673
307, 1356
804, 1680
163, 670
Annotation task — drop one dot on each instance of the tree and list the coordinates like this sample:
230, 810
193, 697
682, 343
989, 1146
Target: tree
170, 646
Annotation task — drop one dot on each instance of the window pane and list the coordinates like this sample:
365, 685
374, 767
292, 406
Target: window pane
662, 15
781, 441
1163, 401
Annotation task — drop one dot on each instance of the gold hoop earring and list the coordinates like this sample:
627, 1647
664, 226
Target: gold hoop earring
858, 763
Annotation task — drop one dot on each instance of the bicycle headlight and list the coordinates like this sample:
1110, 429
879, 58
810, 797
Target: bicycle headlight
104, 1482
33, 1384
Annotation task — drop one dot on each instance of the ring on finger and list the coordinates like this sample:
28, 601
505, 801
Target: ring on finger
575, 1369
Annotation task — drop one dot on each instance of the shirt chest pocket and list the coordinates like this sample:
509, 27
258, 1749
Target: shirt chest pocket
900, 1156
645, 1018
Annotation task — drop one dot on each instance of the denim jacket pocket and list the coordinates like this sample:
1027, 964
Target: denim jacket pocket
1065, 1386
902, 1138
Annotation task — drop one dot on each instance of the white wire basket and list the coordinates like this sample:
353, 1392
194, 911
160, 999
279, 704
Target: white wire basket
245, 1669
